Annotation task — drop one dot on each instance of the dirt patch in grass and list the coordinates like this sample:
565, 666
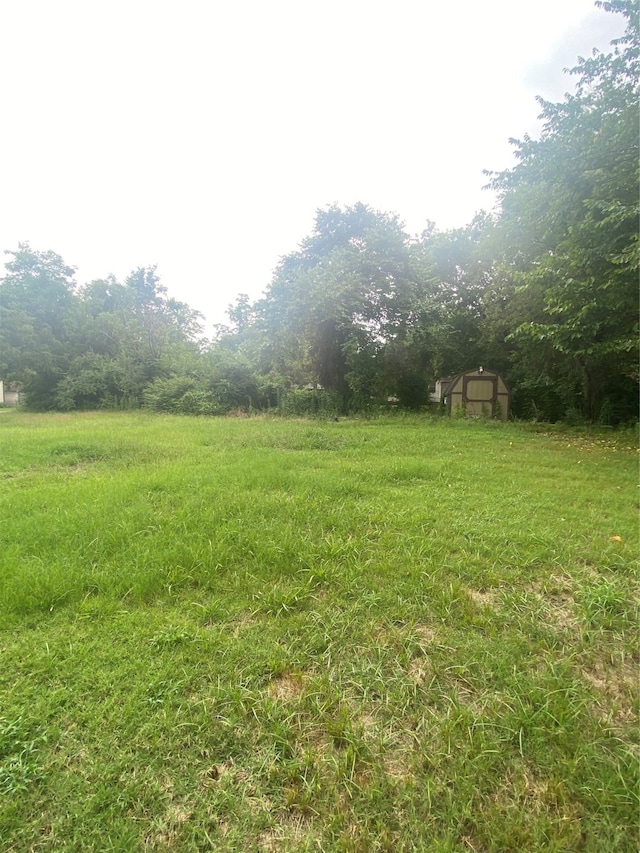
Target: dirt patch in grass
472, 843
484, 597
524, 787
270, 840
369, 724
466, 697
420, 671
214, 774
396, 767
527, 797
243, 624
560, 608
232, 777
397, 759
617, 686
558, 603
588, 570
427, 634
240, 781
176, 816
288, 835
286, 688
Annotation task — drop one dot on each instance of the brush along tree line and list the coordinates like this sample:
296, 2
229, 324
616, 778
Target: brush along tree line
545, 291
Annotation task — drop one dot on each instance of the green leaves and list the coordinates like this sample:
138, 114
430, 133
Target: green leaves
97, 346
334, 304
570, 213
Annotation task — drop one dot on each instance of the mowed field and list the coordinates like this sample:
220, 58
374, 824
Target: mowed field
267, 635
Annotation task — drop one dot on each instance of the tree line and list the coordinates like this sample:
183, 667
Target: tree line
544, 290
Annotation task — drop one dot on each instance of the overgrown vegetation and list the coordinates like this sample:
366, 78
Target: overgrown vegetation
259, 634
543, 291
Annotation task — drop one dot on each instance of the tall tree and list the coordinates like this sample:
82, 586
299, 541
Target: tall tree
334, 303
569, 225
38, 318
459, 267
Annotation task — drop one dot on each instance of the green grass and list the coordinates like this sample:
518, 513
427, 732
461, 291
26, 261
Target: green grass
260, 635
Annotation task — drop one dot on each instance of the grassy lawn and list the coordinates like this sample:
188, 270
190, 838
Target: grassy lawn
260, 635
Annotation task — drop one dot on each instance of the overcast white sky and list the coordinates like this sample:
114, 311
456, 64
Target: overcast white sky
202, 135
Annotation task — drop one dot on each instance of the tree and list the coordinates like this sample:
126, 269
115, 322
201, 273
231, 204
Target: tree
132, 335
569, 226
95, 346
38, 318
334, 303
459, 268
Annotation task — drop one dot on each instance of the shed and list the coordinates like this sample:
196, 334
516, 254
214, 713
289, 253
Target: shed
9, 394
440, 392
479, 392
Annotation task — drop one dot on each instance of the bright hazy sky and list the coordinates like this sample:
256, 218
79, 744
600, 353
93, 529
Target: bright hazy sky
201, 136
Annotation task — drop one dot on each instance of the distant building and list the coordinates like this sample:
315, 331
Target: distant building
439, 395
9, 394
479, 393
